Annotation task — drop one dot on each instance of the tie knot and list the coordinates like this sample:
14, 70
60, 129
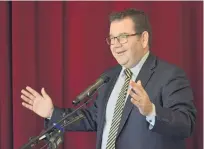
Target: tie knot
128, 73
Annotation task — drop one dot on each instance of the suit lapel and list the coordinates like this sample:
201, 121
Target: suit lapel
144, 75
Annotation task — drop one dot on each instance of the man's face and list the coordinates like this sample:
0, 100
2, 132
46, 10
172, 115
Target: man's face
127, 54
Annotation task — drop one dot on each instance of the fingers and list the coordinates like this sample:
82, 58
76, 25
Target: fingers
27, 100
27, 106
134, 96
138, 89
32, 91
141, 87
45, 95
27, 94
136, 92
135, 102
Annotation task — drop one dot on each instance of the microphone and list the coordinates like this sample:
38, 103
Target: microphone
91, 89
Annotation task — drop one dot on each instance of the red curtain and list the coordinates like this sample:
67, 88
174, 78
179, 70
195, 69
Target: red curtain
61, 46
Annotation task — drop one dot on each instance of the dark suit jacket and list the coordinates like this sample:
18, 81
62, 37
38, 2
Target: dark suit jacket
167, 87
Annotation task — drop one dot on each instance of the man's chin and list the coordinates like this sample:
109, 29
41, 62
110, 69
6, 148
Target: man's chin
124, 65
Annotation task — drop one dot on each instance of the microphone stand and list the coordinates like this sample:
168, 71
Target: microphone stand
35, 140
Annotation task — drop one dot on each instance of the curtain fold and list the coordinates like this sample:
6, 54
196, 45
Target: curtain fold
6, 122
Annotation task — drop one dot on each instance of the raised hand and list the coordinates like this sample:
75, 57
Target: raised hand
140, 98
40, 104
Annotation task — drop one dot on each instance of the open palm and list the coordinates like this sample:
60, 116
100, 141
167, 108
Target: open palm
40, 104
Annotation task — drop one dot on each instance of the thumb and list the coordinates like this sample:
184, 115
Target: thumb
45, 95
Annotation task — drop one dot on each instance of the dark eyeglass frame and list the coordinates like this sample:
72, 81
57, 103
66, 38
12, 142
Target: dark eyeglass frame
108, 39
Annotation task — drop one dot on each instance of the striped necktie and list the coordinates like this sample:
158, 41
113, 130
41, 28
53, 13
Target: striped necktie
118, 111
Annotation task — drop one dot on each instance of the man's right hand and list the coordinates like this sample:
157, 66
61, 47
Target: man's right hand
40, 104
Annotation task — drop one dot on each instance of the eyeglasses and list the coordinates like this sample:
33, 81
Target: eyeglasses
123, 38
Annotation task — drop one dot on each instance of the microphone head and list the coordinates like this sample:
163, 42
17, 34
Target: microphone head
92, 89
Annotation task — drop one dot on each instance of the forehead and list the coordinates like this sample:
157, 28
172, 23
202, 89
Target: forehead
125, 25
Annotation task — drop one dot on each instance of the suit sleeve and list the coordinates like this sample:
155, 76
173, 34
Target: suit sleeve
177, 114
88, 123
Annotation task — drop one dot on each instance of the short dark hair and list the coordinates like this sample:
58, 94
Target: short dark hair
139, 18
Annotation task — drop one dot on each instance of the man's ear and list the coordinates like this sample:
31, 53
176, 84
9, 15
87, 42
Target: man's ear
145, 39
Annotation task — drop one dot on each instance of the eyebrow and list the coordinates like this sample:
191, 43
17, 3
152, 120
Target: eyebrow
119, 34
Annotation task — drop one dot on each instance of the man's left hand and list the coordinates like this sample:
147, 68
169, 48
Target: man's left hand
140, 98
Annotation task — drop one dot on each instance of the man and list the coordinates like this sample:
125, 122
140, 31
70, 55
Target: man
147, 104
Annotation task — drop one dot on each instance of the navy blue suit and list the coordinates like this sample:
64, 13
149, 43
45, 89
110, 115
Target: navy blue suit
170, 91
